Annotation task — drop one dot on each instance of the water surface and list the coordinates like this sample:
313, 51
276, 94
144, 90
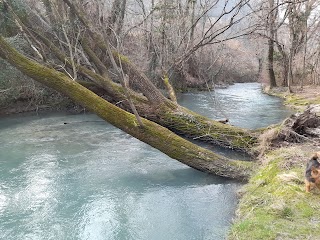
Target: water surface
243, 104
89, 180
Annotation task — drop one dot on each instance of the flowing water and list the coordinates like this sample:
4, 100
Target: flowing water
89, 180
243, 104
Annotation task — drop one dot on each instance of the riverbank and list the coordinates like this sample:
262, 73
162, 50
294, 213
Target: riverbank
300, 98
29, 96
274, 204
48, 102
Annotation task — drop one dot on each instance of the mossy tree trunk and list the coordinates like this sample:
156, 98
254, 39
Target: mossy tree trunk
164, 111
149, 101
151, 133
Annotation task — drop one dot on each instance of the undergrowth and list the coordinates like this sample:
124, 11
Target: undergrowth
19, 93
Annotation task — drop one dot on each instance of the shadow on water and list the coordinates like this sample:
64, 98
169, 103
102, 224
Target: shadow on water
177, 178
226, 152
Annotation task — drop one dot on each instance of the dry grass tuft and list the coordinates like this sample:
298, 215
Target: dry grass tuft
266, 139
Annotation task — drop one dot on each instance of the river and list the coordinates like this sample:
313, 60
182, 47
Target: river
89, 180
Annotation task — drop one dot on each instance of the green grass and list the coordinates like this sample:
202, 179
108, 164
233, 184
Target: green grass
292, 99
274, 204
295, 101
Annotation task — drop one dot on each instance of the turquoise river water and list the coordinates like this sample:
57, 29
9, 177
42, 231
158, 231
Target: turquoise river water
89, 180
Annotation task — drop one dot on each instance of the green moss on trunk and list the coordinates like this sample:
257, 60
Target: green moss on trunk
236, 138
195, 126
152, 133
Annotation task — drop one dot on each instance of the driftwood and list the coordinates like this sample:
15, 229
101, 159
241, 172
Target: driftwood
302, 126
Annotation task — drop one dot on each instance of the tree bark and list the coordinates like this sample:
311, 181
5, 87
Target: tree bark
271, 26
153, 105
152, 133
165, 112
272, 78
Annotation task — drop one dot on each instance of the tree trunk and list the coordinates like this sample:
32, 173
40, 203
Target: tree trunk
151, 133
121, 16
260, 68
165, 112
272, 78
290, 72
113, 18
284, 63
193, 9
271, 24
153, 105
153, 55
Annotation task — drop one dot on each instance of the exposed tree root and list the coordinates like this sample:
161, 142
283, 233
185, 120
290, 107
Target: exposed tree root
302, 126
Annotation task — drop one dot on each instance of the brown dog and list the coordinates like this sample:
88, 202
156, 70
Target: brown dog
313, 172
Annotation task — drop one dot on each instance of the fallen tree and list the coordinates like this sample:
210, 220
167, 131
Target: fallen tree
150, 133
94, 46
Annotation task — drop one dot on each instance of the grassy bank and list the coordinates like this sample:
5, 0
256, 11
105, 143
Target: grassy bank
274, 205
300, 98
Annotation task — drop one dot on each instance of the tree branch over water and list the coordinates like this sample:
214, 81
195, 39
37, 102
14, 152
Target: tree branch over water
152, 133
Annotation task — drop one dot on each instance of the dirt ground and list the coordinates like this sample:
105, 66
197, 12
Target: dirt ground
308, 92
